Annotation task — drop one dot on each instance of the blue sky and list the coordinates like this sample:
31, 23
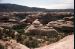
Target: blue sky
49, 4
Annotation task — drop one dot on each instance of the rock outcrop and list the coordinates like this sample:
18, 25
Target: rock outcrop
38, 29
12, 44
65, 43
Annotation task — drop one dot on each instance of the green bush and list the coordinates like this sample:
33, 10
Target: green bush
1, 46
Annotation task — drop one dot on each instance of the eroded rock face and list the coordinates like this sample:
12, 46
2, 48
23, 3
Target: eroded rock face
65, 43
35, 25
66, 26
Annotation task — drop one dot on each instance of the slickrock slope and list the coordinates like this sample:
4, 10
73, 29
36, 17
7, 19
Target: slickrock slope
65, 43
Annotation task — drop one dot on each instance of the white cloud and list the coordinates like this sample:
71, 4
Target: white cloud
62, 4
68, 1
57, 6
49, 4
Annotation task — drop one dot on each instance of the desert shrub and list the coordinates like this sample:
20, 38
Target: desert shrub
32, 43
1, 46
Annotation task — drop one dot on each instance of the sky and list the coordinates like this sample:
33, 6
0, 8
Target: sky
48, 4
